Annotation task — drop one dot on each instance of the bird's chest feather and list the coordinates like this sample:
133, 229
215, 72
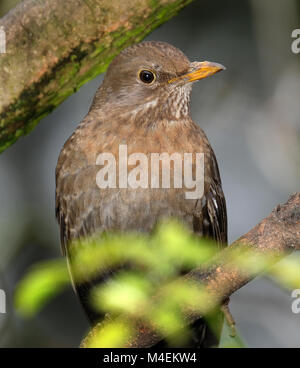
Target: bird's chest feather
129, 178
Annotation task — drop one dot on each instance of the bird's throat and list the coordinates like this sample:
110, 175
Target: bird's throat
172, 107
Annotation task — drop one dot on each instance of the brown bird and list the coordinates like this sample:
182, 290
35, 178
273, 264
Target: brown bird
143, 103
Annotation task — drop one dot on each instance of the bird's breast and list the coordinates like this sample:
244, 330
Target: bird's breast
131, 177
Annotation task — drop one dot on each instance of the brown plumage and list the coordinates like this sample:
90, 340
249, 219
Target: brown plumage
149, 118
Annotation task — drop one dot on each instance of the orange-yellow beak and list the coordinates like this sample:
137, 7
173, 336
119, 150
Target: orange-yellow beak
199, 70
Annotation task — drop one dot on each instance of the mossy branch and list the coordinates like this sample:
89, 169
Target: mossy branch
53, 47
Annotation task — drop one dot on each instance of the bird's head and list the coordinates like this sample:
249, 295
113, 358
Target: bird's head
152, 78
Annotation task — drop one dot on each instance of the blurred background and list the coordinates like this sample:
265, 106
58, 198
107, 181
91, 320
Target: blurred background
251, 114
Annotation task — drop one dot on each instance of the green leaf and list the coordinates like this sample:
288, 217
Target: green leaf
110, 335
42, 282
126, 293
180, 246
287, 272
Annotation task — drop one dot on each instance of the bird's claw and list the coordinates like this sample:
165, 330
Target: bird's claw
229, 318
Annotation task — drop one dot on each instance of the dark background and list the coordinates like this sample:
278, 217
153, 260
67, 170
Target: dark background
251, 115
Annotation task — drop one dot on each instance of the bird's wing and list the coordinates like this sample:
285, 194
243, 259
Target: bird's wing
72, 203
77, 209
216, 206
210, 219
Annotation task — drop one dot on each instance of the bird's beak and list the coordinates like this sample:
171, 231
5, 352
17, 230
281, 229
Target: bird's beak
199, 70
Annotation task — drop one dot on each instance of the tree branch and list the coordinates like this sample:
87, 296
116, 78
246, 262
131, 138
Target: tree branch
54, 47
273, 238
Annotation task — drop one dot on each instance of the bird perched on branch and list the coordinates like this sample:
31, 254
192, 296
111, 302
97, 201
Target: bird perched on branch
143, 106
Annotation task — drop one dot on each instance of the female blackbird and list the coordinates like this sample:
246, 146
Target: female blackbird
143, 105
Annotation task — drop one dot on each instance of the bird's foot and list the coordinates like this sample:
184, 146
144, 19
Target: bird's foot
229, 318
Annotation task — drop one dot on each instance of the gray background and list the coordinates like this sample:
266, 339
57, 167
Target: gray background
251, 116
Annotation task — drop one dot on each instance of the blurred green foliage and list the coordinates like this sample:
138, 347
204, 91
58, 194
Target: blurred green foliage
143, 265
169, 249
42, 282
287, 273
111, 335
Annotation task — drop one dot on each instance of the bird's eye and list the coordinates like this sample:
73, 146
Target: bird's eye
146, 76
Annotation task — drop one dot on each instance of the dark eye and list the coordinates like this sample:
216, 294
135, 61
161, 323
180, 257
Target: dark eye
146, 76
